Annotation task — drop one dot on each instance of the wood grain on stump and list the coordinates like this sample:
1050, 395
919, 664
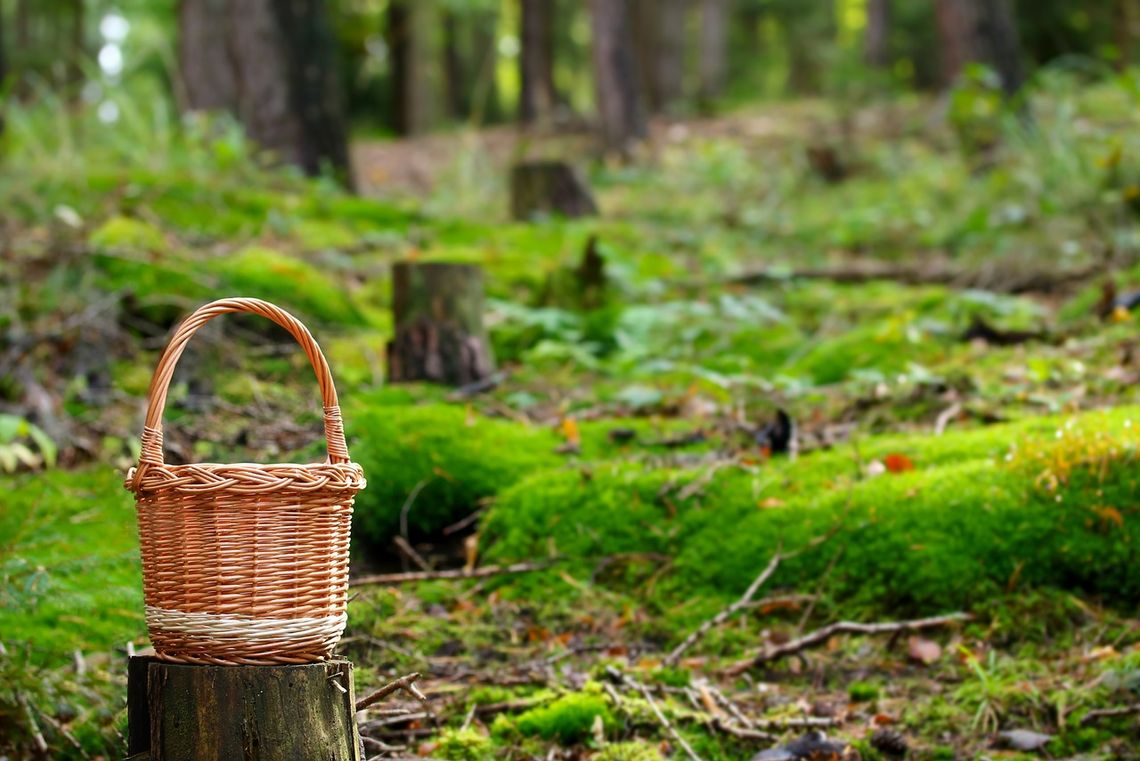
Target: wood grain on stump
438, 313
178, 712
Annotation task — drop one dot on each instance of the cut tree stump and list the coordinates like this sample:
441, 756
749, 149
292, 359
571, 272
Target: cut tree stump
438, 314
549, 187
177, 712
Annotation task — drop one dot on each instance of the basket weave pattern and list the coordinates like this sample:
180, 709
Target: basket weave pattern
244, 563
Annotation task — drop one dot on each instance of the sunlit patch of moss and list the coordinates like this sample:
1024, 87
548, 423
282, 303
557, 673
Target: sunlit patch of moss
125, 234
464, 745
629, 751
357, 359
568, 720
960, 525
288, 282
862, 692
440, 460
319, 235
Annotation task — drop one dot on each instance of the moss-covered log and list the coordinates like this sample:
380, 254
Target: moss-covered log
272, 713
439, 336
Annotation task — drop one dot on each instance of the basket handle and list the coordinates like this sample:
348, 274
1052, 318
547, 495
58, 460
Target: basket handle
152, 454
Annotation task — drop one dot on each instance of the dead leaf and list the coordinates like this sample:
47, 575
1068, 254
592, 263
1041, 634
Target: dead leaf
898, 463
769, 502
923, 650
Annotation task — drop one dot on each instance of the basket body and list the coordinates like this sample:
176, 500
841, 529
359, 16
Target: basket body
244, 564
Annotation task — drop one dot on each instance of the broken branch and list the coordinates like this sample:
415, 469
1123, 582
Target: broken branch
724, 615
457, 573
819, 636
406, 683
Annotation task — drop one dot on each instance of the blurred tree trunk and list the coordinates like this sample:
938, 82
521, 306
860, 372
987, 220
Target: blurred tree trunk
270, 63
659, 35
713, 48
408, 44
536, 63
485, 57
982, 31
77, 45
620, 110
454, 72
877, 47
1127, 26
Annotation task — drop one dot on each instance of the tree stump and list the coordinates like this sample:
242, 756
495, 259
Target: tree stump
550, 187
178, 712
439, 335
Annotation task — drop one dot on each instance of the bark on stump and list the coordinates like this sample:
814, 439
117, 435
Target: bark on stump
439, 335
550, 187
177, 712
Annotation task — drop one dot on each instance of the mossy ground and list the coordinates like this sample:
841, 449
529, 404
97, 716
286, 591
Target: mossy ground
624, 436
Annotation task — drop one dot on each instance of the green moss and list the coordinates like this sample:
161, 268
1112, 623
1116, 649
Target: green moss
288, 282
464, 745
568, 720
316, 235
964, 523
629, 751
124, 234
449, 457
862, 692
59, 531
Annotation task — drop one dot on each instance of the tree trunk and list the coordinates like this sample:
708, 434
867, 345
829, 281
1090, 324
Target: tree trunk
438, 315
982, 31
549, 187
538, 99
713, 48
456, 82
177, 712
659, 43
408, 38
620, 110
997, 29
877, 40
270, 63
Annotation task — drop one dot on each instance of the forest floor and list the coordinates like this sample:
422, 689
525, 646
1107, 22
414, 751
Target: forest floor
946, 323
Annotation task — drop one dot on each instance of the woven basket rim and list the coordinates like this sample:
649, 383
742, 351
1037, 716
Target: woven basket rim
269, 478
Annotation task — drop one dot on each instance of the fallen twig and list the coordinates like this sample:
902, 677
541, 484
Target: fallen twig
406, 683
648, 696
1105, 713
455, 573
772, 652
405, 547
945, 417
674, 656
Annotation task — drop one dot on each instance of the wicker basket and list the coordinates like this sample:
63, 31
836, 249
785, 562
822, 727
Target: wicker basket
244, 563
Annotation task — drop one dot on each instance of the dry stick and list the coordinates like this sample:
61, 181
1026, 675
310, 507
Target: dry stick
818, 636
37, 735
1101, 713
456, 573
406, 683
672, 658
405, 547
629, 681
945, 416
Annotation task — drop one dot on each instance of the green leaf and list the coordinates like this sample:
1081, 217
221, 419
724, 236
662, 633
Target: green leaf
10, 426
7, 458
44, 443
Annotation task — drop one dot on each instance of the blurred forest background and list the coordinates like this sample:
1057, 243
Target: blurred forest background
838, 292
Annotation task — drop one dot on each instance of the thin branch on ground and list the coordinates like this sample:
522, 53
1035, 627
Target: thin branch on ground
819, 636
645, 693
415, 492
674, 656
407, 550
1107, 713
456, 573
406, 683
945, 417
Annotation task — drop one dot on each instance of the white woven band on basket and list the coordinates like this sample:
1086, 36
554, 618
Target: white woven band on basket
248, 631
